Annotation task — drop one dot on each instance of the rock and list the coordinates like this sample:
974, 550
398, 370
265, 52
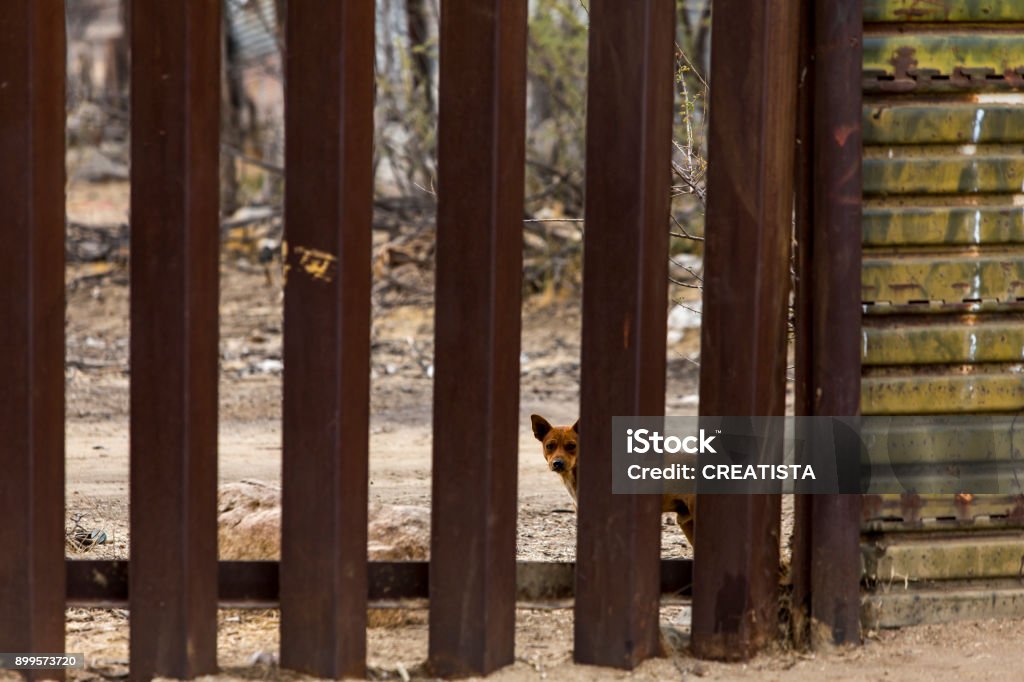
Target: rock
249, 521
399, 533
249, 526
95, 167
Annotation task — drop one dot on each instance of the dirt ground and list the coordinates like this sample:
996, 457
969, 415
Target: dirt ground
250, 434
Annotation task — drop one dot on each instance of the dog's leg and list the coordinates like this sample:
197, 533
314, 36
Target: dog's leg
686, 515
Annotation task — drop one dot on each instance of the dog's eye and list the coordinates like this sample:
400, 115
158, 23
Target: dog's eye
569, 447
552, 446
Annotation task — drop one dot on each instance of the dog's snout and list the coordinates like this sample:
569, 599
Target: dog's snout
558, 465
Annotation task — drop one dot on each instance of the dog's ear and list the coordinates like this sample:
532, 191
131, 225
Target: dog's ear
576, 427
541, 427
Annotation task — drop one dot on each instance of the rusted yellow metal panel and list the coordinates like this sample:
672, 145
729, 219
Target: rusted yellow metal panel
901, 443
942, 122
948, 340
943, 10
997, 52
997, 389
930, 512
892, 223
996, 274
942, 170
914, 309
899, 606
896, 560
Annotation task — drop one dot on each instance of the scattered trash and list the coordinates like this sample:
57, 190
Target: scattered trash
264, 657
83, 539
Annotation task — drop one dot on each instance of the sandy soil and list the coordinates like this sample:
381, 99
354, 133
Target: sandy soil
250, 391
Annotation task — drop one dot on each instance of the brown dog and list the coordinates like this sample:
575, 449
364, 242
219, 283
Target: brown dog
561, 450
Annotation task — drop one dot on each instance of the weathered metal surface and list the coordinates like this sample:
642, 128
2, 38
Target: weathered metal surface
883, 309
479, 257
902, 608
629, 131
948, 438
835, 261
949, 476
937, 512
944, 276
942, 122
967, 557
92, 583
982, 221
743, 365
942, 170
329, 127
175, 98
941, 524
958, 53
943, 10
803, 302
987, 389
32, 326
945, 339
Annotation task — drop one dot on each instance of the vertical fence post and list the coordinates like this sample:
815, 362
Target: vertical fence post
328, 223
625, 298
481, 142
32, 326
175, 128
746, 293
835, 266
800, 570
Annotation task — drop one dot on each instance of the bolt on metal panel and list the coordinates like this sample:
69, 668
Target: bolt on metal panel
956, 52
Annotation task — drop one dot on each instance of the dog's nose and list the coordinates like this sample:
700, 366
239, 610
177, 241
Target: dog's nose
558, 465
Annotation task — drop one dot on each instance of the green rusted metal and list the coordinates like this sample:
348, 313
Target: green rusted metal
943, 231
890, 224
942, 170
943, 10
902, 607
912, 512
895, 560
884, 309
942, 122
944, 53
957, 340
940, 439
990, 274
995, 390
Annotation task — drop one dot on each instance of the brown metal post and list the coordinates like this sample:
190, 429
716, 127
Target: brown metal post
800, 563
328, 227
835, 266
746, 290
481, 142
629, 132
32, 326
175, 98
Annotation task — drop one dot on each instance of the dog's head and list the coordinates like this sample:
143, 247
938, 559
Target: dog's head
560, 444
